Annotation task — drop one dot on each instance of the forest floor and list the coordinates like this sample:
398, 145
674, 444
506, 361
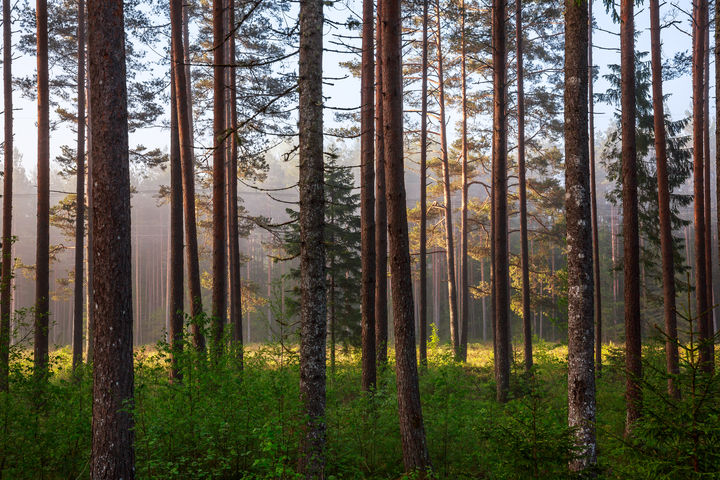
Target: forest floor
220, 422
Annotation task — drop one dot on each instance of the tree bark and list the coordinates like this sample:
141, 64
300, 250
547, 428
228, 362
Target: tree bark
707, 199
412, 430
717, 124
112, 427
367, 198
447, 198
219, 249
422, 310
499, 182
42, 252
666, 238
465, 288
313, 306
633, 352
381, 220
524, 252
7, 240
581, 368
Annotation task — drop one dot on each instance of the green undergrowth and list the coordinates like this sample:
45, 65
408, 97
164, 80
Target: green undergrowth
226, 423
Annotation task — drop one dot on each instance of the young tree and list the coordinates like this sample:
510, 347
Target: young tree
112, 427
381, 219
500, 278
666, 238
412, 430
312, 251
80, 194
367, 200
633, 365
581, 368
219, 249
524, 251
42, 252
7, 261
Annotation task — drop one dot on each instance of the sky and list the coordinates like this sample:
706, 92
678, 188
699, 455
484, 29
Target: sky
345, 92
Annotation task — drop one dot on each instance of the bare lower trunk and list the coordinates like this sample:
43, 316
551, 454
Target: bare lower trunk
313, 305
422, 310
412, 430
500, 221
581, 368
7, 261
708, 209
381, 221
367, 199
633, 364
112, 427
666, 239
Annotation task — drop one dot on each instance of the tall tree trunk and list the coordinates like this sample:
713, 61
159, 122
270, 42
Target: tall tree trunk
422, 310
233, 227
633, 352
219, 249
717, 124
707, 198
381, 219
447, 197
176, 288
90, 235
666, 239
702, 317
367, 198
313, 305
42, 252
524, 253
112, 427
187, 160
412, 430
581, 368
7, 240
499, 182
593, 201
465, 292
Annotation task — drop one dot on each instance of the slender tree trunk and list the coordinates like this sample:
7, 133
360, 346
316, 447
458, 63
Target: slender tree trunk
367, 198
233, 227
465, 292
447, 198
313, 305
381, 219
77, 341
422, 311
499, 182
184, 113
6, 310
717, 124
707, 198
219, 250
112, 427
412, 430
666, 239
581, 368
42, 252
633, 364
593, 202
176, 288
699, 16
524, 253
90, 235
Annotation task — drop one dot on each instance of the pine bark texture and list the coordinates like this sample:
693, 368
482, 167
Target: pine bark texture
633, 365
707, 198
412, 430
42, 252
219, 248
367, 197
524, 252
77, 339
422, 308
501, 265
581, 367
112, 426
7, 261
313, 306
381, 221
666, 238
